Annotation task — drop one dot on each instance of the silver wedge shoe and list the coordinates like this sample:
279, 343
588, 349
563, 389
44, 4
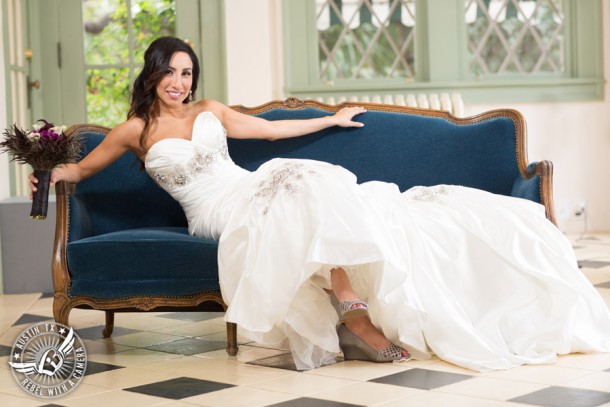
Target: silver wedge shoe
355, 348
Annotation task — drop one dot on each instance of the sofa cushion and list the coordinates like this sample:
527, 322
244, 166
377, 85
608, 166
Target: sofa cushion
163, 261
121, 196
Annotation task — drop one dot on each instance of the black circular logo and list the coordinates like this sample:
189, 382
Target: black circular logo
48, 360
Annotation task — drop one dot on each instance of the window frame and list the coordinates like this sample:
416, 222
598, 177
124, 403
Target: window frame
441, 62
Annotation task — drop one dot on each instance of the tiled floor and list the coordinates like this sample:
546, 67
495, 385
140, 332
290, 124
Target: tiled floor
178, 359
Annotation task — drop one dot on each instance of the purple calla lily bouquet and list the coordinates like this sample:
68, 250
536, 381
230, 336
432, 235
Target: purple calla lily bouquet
44, 147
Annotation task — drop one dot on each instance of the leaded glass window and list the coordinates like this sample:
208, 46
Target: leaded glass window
515, 36
366, 39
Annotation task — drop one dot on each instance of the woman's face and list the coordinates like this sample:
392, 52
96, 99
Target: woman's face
177, 82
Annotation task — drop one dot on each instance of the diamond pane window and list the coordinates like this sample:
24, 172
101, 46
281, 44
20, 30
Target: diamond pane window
366, 39
515, 36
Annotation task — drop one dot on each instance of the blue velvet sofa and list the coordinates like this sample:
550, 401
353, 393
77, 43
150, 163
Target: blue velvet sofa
121, 242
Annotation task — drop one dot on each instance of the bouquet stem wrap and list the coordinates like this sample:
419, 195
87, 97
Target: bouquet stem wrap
40, 202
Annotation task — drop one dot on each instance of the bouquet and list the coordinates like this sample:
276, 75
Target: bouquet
44, 147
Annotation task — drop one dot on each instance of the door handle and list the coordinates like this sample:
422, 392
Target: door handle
34, 84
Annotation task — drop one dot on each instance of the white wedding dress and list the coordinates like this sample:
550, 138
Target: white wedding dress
481, 280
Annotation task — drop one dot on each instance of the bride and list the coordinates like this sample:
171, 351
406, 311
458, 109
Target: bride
481, 280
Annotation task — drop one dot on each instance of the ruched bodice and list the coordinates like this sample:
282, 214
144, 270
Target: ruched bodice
199, 174
481, 280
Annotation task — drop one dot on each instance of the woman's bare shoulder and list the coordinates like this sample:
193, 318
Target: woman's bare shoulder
129, 131
210, 105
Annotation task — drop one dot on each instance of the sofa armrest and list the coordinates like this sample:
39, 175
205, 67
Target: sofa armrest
61, 276
537, 185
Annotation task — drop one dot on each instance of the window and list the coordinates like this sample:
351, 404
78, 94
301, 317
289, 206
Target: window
487, 50
115, 35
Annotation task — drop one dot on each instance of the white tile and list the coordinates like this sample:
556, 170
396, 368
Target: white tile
303, 385
244, 355
595, 381
123, 378
8, 337
132, 357
443, 366
193, 329
543, 374
81, 390
115, 398
360, 371
494, 389
588, 361
143, 322
143, 339
10, 400
367, 393
438, 399
231, 372
103, 347
239, 397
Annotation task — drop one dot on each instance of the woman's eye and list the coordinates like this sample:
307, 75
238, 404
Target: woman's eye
187, 73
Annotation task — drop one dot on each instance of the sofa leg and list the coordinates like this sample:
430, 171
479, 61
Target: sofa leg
61, 310
109, 324
232, 339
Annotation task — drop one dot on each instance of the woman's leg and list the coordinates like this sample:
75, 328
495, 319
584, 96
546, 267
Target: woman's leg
362, 326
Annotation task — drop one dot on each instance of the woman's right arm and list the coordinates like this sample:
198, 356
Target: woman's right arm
117, 142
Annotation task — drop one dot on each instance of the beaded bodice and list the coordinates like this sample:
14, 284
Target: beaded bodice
199, 174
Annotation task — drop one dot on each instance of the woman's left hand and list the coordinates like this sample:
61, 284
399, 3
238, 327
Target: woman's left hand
344, 117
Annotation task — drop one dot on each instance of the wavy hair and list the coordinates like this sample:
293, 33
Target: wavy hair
156, 63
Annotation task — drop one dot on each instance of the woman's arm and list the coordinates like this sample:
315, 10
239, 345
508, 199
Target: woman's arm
117, 142
241, 125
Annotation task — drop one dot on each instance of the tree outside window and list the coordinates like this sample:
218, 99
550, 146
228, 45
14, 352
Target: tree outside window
116, 34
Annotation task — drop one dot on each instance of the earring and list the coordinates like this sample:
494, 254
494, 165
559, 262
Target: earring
190, 95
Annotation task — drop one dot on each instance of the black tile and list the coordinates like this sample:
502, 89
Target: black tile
311, 402
193, 316
179, 388
96, 367
283, 361
31, 319
95, 332
603, 285
564, 397
422, 378
188, 346
593, 264
5, 350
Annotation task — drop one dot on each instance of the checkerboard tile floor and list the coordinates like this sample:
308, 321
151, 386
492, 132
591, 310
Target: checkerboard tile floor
178, 359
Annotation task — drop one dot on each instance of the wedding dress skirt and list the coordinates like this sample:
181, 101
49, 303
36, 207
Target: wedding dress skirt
481, 280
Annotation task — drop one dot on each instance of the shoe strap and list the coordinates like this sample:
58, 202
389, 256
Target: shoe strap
345, 306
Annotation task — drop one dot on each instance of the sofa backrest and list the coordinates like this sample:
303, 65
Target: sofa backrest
121, 196
411, 147
407, 149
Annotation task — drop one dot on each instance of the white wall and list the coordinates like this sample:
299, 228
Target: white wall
574, 136
253, 35
4, 178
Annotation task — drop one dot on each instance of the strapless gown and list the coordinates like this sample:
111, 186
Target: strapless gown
482, 281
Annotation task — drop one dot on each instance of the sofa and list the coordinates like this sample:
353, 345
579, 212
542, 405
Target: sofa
122, 245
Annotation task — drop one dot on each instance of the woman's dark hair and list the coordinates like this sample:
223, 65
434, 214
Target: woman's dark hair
156, 63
